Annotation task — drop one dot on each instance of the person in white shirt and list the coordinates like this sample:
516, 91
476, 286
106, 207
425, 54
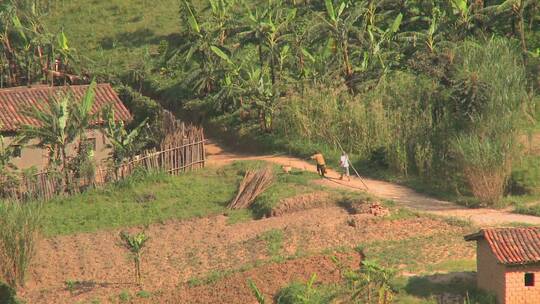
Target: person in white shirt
344, 165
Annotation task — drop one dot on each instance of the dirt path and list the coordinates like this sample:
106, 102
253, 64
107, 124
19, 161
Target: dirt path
402, 195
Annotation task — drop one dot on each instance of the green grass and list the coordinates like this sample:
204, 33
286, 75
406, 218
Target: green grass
274, 242
115, 34
269, 199
143, 294
146, 199
410, 254
153, 199
239, 216
528, 209
124, 296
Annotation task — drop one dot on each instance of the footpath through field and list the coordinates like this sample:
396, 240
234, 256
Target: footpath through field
403, 196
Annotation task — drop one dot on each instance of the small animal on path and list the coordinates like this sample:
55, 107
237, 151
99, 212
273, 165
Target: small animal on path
287, 169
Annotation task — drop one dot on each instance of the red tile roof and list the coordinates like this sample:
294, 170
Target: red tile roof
512, 246
14, 101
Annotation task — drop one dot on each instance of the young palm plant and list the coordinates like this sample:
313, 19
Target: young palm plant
372, 284
135, 244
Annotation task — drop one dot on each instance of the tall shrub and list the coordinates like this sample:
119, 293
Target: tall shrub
20, 224
486, 164
490, 103
408, 123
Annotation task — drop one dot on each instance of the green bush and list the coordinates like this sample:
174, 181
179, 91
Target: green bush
489, 102
305, 293
142, 108
7, 294
525, 177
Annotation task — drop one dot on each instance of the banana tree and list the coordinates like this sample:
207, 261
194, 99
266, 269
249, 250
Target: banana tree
61, 120
222, 18
298, 44
277, 42
258, 87
124, 143
8, 172
197, 54
7, 11
338, 21
6, 155
372, 283
464, 13
26, 43
517, 9
268, 28
380, 41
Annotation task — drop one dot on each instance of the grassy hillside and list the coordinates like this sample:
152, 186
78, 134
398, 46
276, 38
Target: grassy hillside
114, 35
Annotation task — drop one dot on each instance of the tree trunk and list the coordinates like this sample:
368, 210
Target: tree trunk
12, 65
521, 25
65, 168
272, 70
346, 61
261, 59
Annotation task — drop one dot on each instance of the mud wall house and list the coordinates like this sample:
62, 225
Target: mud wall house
15, 101
508, 263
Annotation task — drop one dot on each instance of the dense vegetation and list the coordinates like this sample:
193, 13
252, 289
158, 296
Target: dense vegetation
436, 90
422, 88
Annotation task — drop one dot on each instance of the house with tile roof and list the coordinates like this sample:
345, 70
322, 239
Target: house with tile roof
508, 263
14, 102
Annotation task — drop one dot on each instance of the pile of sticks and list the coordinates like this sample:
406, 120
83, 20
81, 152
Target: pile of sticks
253, 184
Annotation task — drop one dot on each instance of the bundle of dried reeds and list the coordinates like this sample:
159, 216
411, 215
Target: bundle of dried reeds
253, 185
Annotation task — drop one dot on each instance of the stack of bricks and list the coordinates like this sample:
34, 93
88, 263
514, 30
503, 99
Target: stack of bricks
516, 292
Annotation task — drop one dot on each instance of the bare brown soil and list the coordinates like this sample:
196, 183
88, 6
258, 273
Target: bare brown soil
400, 194
268, 278
179, 251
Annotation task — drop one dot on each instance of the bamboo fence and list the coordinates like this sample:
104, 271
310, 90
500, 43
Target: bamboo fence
181, 150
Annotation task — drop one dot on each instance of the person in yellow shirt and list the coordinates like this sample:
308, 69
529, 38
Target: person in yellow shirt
321, 164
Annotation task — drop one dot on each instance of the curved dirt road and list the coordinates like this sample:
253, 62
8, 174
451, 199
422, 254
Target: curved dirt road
401, 195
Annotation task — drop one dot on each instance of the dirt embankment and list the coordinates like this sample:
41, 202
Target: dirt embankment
301, 202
